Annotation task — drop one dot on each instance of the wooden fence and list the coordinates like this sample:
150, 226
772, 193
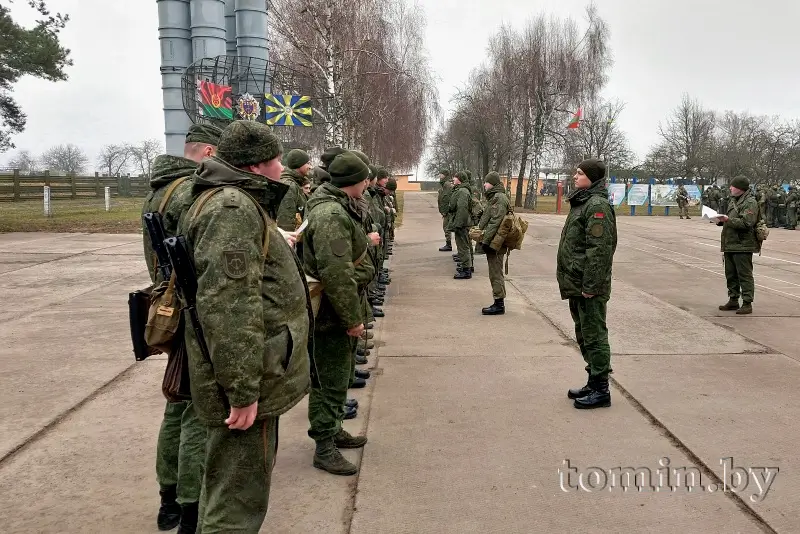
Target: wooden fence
18, 187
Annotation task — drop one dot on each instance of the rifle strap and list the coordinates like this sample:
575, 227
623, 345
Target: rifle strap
206, 196
168, 194
164, 201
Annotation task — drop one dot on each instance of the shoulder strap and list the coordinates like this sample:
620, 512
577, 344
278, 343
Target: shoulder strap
170, 190
206, 195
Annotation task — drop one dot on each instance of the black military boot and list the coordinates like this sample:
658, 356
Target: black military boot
351, 403
188, 524
746, 309
733, 304
350, 413
462, 274
361, 359
169, 514
498, 308
362, 374
581, 392
376, 302
377, 312
344, 440
358, 383
456, 257
328, 458
446, 248
599, 397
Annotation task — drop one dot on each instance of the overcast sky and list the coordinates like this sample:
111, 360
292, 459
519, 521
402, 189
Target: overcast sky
738, 56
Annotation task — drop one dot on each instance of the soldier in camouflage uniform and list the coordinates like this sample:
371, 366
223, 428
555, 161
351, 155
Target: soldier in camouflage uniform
772, 206
792, 202
445, 190
335, 245
460, 223
290, 212
585, 257
490, 222
738, 245
182, 438
780, 212
682, 196
253, 304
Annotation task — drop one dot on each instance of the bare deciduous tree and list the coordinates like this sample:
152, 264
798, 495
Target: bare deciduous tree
24, 161
145, 153
66, 158
114, 159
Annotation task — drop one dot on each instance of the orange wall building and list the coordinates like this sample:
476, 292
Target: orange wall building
404, 183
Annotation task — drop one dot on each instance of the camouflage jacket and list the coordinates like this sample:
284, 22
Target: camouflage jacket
444, 197
166, 169
293, 203
333, 242
682, 195
588, 242
460, 214
376, 209
739, 231
792, 199
255, 311
494, 214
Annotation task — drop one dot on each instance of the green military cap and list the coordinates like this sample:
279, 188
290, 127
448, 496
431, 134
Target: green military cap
492, 178
391, 185
204, 133
382, 173
363, 157
348, 169
373, 171
327, 157
296, 158
321, 175
741, 182
245, 143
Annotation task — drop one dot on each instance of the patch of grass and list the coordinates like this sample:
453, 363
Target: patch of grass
82, 215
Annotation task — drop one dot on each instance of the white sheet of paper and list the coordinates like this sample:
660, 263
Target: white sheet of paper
302, 227
709, 215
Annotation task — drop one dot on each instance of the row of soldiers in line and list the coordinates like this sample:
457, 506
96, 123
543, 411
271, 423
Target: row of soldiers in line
778, 206
268, 343
462, 208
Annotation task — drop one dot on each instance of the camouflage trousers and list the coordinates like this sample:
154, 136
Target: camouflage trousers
496, 277
591, 333
180, 451
445, 224
334, 355
236, 486
683, 209
739, 275
464, 248
791, 221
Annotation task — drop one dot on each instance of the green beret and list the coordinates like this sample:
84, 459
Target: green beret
382, 173
740, 182
296, 158
363, 157
391, 185
246, 143
492, 178
462, 175
204, 133
348, 169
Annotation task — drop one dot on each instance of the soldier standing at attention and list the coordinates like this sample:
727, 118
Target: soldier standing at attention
739, 242
445, 190
585, 257
682, 197
772, 206
792, 200
253, 304
490, 222
290, 212
460, 223
335, 244
182, 438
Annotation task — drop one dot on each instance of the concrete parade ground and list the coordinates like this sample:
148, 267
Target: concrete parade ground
469, 425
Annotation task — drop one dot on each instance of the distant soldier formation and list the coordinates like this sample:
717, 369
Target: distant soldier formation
289, 275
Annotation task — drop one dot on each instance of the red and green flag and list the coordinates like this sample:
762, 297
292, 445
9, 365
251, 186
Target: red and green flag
215, 100
576, 119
